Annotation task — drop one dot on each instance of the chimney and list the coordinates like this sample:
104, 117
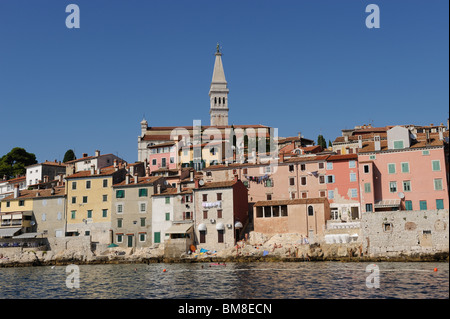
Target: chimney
377, 143
92, 169
60, 179
359, 141
441, 134
38, 194
158, 189
281, 155
16, 191
45, 178
428, 136
197, 183
52, 191
84, 155
97, 153
115, 163
135, 178
179, 187
191, 175
127, 179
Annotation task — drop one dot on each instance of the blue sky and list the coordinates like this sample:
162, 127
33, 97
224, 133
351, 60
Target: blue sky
300, 66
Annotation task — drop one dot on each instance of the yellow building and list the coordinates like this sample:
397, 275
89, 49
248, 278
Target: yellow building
207, 154
16, 214
89, 202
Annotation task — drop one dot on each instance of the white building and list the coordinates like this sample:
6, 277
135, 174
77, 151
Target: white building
44, 172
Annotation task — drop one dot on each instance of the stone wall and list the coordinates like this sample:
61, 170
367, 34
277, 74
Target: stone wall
405, 232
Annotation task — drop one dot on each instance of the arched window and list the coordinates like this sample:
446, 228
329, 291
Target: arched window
219, 100
223, 101
310, 210
215, 101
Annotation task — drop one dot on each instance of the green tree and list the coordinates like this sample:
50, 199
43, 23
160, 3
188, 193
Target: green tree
14, 163
321, 141
69, 156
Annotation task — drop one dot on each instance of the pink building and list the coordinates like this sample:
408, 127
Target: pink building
405, 171
343, 186
162, 156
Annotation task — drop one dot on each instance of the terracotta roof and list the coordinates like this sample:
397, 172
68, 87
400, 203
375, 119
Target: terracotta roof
162, 145
105, 171
420, 142
17, 179
342, 157
312, 158
291, 201
59, 191
48, 163
210, 185
174, 191
147, 180
87, 157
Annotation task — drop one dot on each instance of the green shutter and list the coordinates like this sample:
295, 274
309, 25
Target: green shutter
391, 168
405, 167
436, 165
408, 205
398, 144
157, 238
439, 204
367, 188
423, 205
142, 192
89, 214
120, 193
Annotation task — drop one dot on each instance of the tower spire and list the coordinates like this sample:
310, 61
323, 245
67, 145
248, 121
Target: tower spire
218, 93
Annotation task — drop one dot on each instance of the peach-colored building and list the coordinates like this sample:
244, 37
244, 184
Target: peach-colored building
406, 171
305, 216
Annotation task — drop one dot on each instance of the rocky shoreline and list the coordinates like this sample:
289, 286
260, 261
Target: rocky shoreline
243, 252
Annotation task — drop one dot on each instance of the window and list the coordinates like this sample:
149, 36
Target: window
366, 168
321, 179
269, 196
74, 185
8, 204
105, 198
439, 204
202, 237
291, 168
425, 152
119, 238
172, 160
219, 196
303, 180
88, 184
104, 213
220, 236
330, 194
321, 165
391, 168
291, 181
387, 227
372, 157
154, 161
167, 216
43, 217
353, 192
398, 144
119, 208
408, 205
205, 214
219, 213
352, 164
330, 179
205, 197
405, 167
143, 192
89, 213
143, 207
105, 183
369, 207
85, 198
423, 205
73, 214
393, 187
352, 177
21, 202
329, 165
120, 193
142, 237
304, 194
438, 184
367, 188
142, 222
436, 165
268, 183
167, 200
310, 210
322, 194
406, 186
74, 200
302, 167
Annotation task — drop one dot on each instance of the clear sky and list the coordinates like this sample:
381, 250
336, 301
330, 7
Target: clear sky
300, 66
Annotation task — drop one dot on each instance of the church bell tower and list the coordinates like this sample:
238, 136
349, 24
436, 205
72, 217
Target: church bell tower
218, 93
